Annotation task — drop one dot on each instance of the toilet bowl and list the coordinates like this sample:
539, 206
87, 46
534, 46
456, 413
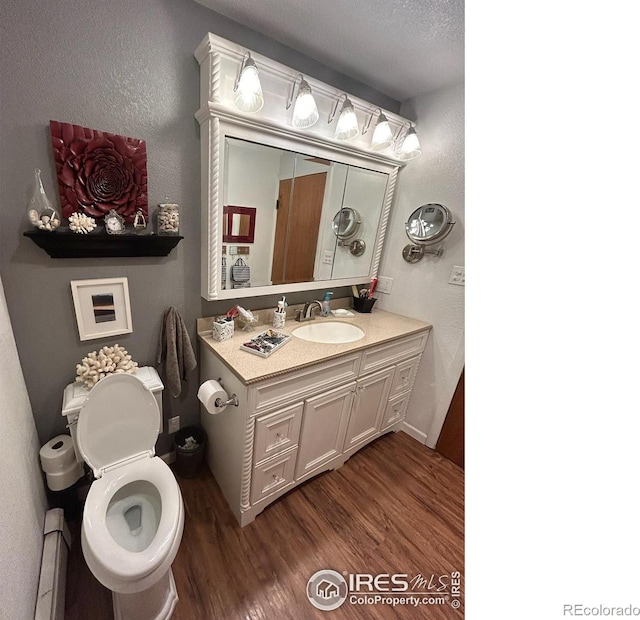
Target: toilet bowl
134, 515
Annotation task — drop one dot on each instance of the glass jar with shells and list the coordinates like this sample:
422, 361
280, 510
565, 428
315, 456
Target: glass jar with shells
168, 219
40, 211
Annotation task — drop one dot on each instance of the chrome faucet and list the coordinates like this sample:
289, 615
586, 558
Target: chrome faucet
306, 314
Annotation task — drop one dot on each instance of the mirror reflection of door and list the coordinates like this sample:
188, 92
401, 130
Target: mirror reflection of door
297, 225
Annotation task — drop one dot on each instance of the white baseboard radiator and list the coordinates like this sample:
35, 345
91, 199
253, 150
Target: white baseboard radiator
53, 570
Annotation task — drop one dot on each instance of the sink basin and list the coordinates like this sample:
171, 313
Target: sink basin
329, 333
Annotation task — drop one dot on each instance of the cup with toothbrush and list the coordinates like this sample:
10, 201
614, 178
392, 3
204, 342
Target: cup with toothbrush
279, 314
363, 299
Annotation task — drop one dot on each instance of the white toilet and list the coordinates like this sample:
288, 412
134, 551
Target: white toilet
133, 515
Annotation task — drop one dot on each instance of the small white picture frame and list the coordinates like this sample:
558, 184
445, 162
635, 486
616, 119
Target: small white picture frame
102, 307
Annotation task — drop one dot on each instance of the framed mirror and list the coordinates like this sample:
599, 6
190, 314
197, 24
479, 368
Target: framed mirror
299, 198
238, 224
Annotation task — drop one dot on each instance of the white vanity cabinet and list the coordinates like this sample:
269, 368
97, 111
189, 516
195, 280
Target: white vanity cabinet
293, 425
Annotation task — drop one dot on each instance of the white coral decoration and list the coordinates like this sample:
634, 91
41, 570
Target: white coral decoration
81, 223
105, 362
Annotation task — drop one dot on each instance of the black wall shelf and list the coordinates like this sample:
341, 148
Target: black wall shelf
99, 244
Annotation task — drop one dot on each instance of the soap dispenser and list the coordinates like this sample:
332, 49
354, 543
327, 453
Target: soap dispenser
326, 307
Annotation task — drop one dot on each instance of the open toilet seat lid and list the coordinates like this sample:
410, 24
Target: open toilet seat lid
119, 420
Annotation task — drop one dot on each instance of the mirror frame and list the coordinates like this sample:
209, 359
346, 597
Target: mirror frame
219, 118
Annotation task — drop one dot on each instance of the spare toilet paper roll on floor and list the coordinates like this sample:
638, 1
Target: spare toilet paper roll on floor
58, 461
61, 480
208, 392
57, 454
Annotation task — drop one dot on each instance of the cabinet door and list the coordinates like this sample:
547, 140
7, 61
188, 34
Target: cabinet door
323, 426
372, 393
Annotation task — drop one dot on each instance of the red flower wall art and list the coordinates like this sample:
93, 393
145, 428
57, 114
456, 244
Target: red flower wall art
99, 171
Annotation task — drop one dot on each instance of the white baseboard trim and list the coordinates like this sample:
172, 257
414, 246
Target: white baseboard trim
412, 431
169, 457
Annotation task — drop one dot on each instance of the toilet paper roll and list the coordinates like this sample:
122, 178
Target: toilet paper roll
58, 481
208, 393
57, 454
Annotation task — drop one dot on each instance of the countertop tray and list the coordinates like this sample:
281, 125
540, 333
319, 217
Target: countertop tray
266, 343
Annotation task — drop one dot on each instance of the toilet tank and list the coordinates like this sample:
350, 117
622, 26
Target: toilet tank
75, 394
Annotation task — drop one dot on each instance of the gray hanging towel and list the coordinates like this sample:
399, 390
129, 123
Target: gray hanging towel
175, 350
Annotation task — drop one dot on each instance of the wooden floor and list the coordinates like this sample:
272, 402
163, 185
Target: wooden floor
394, 507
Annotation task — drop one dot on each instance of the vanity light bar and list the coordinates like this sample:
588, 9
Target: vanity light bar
240, 83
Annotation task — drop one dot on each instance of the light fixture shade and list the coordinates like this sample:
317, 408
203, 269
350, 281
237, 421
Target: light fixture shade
305, 110
347, 126
249, 90
410, 147
382, 134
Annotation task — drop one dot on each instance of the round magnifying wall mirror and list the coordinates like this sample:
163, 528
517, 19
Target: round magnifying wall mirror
346, 223
429, 224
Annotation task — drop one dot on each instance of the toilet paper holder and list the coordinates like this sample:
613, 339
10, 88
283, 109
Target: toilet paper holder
225, 403
232, 401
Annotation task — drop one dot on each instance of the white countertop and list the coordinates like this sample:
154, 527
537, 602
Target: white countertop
379, 326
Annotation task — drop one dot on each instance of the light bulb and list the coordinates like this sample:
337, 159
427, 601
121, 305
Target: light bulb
305, 111
347, 126
410, 147
382, 134
249, 90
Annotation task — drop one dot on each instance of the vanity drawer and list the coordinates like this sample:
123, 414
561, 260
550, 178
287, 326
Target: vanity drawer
393, 352
395, 411
404, 376
273, 475
294, 386
277, 432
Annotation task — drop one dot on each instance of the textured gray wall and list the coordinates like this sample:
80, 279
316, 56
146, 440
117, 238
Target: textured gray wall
23, 497
125, 67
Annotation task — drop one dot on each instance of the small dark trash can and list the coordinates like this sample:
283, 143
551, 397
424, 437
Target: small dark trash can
188, 460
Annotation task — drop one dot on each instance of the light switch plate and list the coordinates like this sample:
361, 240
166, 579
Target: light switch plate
233, 249
384, 285
457, 275
327, 257
174, 424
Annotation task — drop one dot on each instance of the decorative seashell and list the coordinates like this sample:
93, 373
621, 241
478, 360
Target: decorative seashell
81, 223
109, 360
